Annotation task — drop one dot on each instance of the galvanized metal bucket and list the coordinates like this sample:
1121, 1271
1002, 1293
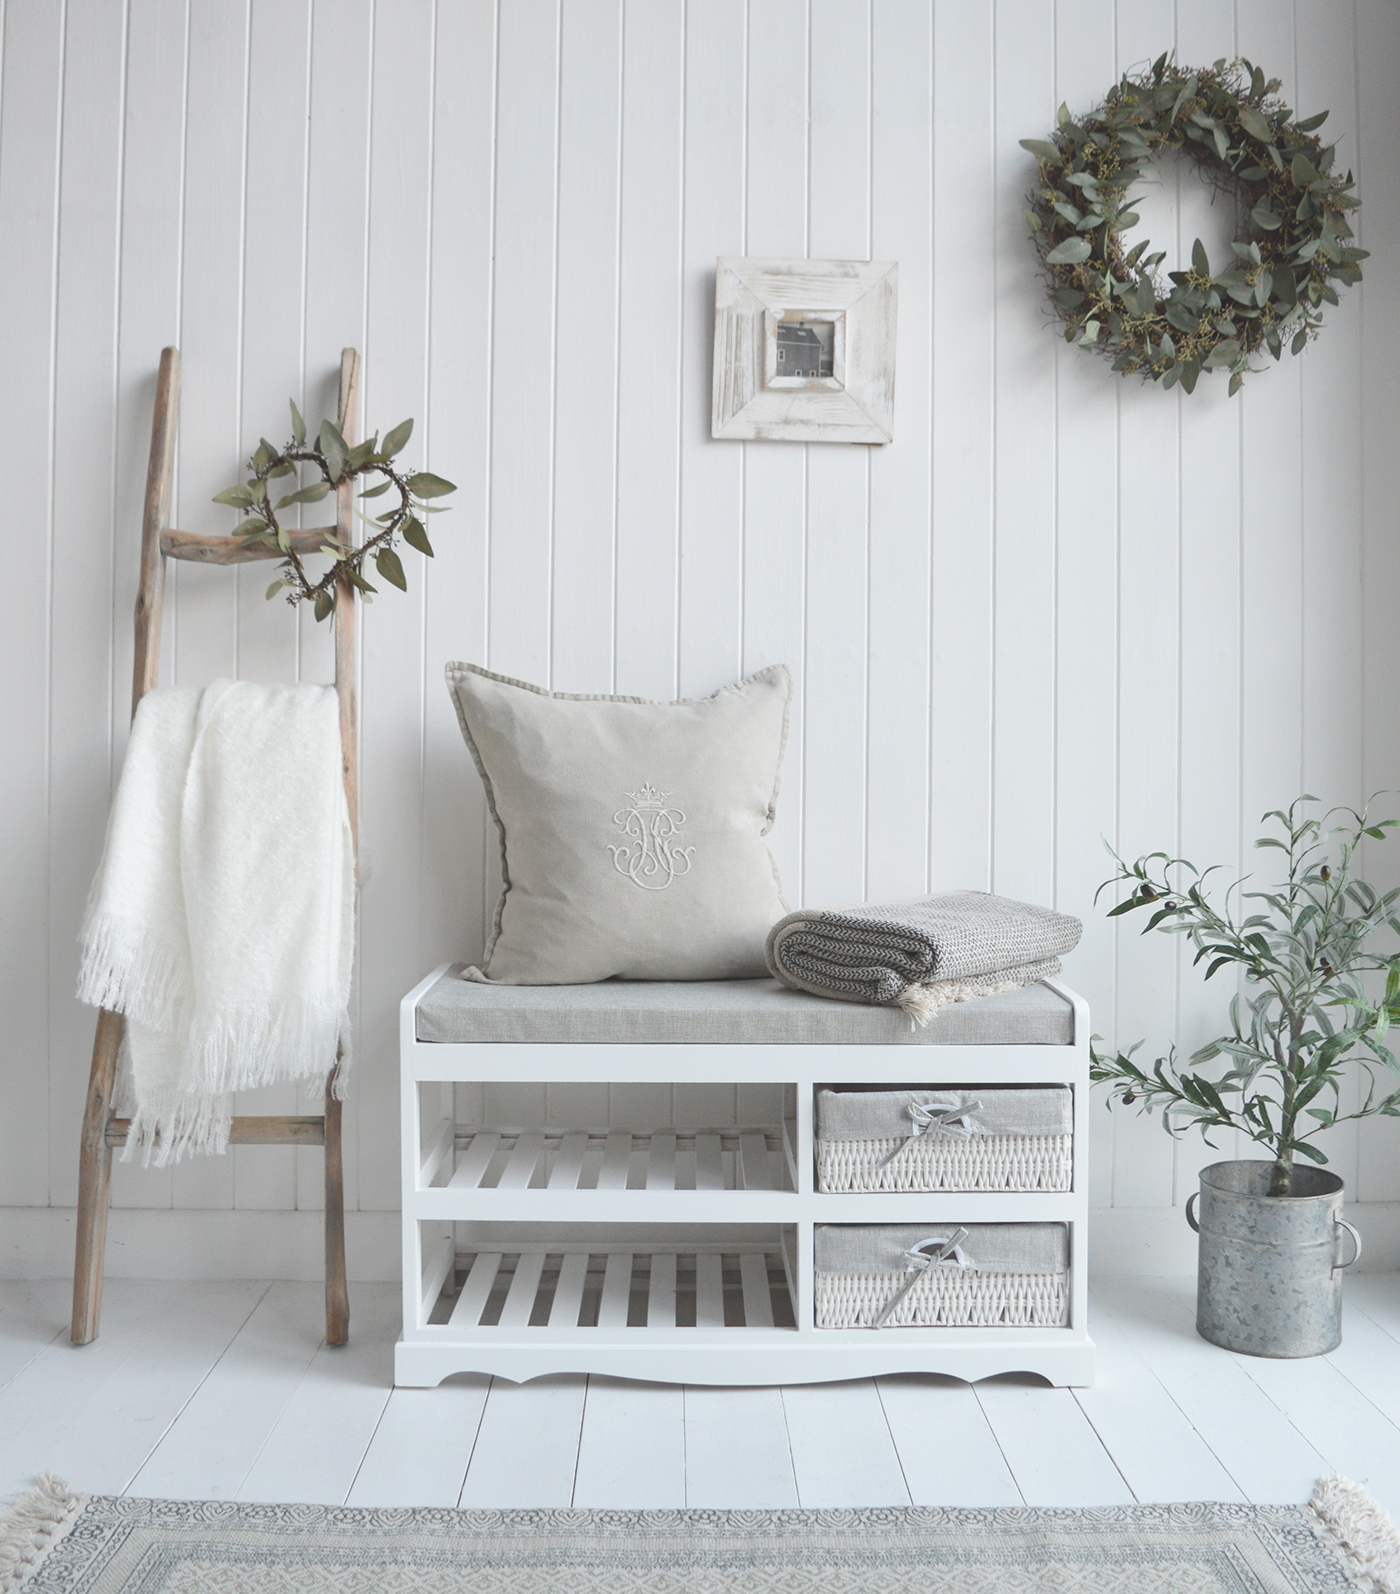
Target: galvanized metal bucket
1269, 1280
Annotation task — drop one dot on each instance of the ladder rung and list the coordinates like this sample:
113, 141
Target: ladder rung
249, 1131
234, 550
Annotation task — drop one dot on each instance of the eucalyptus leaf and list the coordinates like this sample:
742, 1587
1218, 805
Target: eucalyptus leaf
1255, 125
298, 425
394, 440
388, 564
423, 484
333, 446
416, 536
1069, 253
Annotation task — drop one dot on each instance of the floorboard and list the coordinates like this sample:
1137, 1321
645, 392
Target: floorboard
207, 1454
221, 1391
1152, 1441
737, 1453
423, 1445
1050, 1446
1335, 1418
631, 1451
93, 1413
527, 1449
1266, 1455
33, 1314
842, 1451
315, 1448
946, 1447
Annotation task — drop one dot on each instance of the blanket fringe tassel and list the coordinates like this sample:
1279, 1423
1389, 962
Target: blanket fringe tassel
31, 1526
1346, 1517
921, 1002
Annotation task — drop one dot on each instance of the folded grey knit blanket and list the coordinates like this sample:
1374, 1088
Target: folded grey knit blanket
922, 954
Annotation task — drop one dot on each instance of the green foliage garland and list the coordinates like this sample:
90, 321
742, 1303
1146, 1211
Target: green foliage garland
336, 464
1229, 120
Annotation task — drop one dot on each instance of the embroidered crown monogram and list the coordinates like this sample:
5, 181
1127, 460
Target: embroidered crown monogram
650, 857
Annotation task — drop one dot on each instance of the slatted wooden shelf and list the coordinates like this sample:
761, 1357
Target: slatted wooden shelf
612, 1159
615, 1288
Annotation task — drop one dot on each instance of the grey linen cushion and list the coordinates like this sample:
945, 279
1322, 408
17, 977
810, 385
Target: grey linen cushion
631, 831
989, 1247
721, 1013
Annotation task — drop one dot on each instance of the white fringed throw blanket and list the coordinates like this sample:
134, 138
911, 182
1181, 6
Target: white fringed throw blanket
222, 917
922, 954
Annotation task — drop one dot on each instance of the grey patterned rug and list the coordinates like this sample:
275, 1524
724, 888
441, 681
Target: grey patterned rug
54, 1542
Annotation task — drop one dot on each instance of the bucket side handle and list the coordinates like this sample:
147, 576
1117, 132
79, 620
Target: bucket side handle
1356, 1243
1191, 1216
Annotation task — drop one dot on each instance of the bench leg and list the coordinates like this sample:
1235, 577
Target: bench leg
94, 1180
337, 1292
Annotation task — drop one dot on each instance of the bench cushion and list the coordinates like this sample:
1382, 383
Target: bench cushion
725, 1013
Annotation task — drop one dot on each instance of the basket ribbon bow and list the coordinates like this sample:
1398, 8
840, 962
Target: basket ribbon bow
919, 1260
938, 1118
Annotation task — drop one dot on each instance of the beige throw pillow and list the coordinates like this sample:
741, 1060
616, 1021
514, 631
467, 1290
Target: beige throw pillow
631, 831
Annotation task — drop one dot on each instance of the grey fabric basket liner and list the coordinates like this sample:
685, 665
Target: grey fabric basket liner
724, 1013
995, 1247
883, 1114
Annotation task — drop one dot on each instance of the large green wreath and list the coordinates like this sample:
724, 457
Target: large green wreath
1292, 215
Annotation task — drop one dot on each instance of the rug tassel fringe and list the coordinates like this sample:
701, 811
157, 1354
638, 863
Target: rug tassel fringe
31, 1526
1356, 1526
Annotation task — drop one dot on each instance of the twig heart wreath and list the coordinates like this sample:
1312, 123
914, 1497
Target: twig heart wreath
337, 462
1292, 211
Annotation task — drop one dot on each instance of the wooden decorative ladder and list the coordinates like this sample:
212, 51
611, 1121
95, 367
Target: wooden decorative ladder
101, 1129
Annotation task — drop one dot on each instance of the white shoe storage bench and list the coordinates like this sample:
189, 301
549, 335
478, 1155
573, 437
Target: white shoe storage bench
681, 1254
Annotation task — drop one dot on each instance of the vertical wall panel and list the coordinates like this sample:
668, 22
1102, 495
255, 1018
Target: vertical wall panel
1060, 608
838, 480
522, 354
274, 294
1331, 505
712, 483
81, 654
900, 531
31, 87
1023, 703
148, 318
210, 443
1086, 596
1209, 636
1378, 229
649, 345
775, 477
1149, 686
964, 409
586, 348
337, 221
395, 684
457, 442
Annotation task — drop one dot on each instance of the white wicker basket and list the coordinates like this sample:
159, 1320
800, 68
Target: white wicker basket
959, 1139
1002, 1275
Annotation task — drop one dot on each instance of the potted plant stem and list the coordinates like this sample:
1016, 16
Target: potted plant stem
1271, 1232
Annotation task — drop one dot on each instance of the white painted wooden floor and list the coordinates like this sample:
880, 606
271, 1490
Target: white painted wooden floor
225, 1391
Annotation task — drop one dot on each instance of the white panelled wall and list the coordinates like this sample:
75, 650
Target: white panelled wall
1060, 607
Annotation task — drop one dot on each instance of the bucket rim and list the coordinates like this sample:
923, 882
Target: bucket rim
1337, 1182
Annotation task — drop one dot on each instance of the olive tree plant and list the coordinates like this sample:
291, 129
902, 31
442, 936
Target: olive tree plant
1306, 1010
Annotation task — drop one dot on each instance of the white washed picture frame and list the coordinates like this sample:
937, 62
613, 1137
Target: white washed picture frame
780, 374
